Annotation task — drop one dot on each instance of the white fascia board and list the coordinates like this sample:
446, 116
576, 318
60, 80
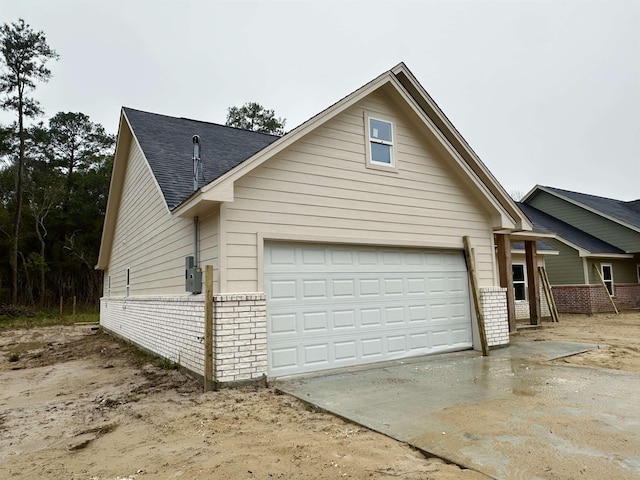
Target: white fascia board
530, 193
531, 235
609, 255
485, 175
116, 185
506, 221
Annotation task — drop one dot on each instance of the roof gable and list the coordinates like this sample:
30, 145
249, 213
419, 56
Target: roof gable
545, 223
624, 213
506, 214
168, 147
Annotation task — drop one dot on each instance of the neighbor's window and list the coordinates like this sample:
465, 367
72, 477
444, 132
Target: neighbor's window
638, 267
519, 281
607, 275
128, 284
380, 148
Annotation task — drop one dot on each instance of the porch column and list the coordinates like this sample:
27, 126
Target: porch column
506, 276
532, 282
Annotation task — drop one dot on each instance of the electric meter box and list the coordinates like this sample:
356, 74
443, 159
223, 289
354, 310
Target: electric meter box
192, 276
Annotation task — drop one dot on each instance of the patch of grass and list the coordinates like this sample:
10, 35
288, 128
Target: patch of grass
309, 407
142, 357
167, 364
13, 356
12, 317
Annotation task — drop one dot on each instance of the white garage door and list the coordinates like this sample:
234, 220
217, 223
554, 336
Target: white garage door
332, 306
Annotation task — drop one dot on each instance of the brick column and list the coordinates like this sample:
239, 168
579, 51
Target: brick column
239, 337
496, 321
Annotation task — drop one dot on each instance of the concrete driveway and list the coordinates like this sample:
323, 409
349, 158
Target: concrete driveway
511, 415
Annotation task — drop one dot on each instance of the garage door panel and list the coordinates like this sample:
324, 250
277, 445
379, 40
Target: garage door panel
371, 347
314, 289
394, 315
344, 319
345, 351
283, 323
396, 344
417, 286
316, 354
284, 358
331, 306
315, 322
343, 288
369, 287
418, 342
282, 290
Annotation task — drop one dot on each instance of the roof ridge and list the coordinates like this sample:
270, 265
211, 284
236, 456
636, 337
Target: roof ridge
585, 194
199, 121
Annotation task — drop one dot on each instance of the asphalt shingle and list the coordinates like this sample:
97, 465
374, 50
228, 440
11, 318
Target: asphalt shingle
168, 147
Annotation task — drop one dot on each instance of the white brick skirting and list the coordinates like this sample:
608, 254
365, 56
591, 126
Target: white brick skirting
522, 307
496, 317
173, 328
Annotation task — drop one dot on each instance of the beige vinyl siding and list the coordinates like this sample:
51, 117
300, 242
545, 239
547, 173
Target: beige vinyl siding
611, 232
567, 267
320, 188
149, 240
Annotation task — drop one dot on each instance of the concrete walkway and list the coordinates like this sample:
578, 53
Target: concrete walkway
511, 415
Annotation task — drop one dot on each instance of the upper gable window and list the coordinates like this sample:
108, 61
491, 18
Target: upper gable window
380, 143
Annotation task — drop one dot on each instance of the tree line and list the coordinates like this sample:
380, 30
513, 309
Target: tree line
54, 182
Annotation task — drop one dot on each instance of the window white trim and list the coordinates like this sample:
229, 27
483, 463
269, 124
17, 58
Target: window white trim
392, 165
127, 282
608, 282
522, 282
638, 271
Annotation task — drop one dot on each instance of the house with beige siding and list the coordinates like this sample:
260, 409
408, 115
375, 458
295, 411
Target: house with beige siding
337, 244
598, 240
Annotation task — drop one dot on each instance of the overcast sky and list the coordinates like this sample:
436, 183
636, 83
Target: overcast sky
546, 92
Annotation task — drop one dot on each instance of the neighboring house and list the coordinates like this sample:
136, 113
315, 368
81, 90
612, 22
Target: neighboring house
338, 244
596, 237
521, 274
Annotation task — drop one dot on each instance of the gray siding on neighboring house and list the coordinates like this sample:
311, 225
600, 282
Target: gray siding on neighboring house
611, 232
566, 268
623, 270
319, 189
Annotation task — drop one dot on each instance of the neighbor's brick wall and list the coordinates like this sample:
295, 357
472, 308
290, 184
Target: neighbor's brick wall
172, 327
240, 336
496, 320
593, 299
627, 295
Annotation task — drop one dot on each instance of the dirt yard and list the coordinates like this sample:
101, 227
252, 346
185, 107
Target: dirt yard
76, 404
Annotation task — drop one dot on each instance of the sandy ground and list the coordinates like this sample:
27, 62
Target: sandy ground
75, 404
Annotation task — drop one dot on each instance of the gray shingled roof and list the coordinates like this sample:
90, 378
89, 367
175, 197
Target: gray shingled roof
540, 246
168, 147
628, 212
544, 223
